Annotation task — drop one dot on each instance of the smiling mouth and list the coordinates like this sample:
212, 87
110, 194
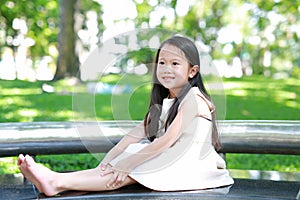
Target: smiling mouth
168, 77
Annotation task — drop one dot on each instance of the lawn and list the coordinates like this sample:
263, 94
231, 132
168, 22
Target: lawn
252, 97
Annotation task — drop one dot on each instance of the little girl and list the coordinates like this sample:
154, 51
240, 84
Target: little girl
181, 129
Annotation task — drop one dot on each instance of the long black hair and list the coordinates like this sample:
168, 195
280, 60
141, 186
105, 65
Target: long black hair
159, 92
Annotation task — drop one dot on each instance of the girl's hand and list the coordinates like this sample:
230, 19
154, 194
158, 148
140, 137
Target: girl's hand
117, 178
119, 175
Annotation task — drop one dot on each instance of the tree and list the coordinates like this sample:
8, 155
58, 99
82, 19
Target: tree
67, 63
40, 26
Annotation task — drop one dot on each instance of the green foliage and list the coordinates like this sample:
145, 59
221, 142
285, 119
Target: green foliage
41, 19
42, 26
143, 10
70, 162
272, 24
280, 163
9, 165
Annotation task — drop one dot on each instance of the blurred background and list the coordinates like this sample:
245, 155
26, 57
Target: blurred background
49, 40
254, 45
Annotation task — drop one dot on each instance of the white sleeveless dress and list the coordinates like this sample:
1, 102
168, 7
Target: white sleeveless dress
190, 164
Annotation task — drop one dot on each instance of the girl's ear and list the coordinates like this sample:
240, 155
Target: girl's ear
193, 71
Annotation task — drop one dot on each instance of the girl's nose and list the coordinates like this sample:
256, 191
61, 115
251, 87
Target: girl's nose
167, 69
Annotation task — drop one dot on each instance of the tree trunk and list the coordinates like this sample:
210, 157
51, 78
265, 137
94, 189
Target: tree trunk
67, 63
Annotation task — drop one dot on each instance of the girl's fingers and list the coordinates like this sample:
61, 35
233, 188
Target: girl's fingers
103, 166
111, 182
121, 178
104, 173
117, 179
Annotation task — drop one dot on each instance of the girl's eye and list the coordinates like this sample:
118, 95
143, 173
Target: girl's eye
175, 63
161, 63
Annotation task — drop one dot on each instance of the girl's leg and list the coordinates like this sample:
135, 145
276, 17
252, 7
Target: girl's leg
51, 183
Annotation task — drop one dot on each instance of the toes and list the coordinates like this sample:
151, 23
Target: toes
21, 159
29, 160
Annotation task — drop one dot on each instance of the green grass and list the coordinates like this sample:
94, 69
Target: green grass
281, 163
262, 98
23, 101
252, 97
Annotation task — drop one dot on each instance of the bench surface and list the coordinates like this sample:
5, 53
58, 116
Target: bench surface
13, 188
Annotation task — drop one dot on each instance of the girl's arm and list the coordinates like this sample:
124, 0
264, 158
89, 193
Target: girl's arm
192, 107
158, 146
134, 136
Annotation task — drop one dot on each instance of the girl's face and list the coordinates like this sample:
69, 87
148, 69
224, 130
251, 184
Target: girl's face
173, 69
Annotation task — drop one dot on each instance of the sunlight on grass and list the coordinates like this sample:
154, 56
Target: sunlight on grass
229, 85
20, 91
131, 79
28, 112
287, 98
14, 101
239, 93
262, 98
65, 114
292, 104
23, 115
113, 78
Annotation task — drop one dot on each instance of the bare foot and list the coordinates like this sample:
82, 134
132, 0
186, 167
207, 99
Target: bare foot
42, 177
